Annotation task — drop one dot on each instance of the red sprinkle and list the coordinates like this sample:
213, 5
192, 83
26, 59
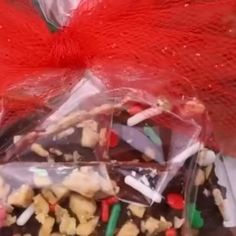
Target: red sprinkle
175, 200
171, 232
113, 139
111, 200
134, 109
105, 212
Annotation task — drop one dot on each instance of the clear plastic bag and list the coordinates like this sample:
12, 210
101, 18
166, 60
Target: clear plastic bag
122, 148
59, 12
210, 208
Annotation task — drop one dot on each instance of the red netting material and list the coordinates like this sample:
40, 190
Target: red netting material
132, 42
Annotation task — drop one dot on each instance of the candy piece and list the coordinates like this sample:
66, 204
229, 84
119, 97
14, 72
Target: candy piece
113, 139
134, 109
175, 201
194, 216
40, 204
47, 226
137, 210
49, 196
67, 225
149, 132
87, 184
25, 216
89, 138
164, 224
39, 150
114, 217
92, 124
105, 212
111, 200
60, 212
87, 228
206, 157
139, 141
178, 222
59, 191
200, 178
10, 220
144, 115
146, 191
150, 226
82, 207
41, 181
128, 229
171, 232
22, 197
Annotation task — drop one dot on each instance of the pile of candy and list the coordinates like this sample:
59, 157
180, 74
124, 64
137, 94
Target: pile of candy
83, 176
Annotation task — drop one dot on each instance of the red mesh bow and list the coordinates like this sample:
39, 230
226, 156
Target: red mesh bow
129, 42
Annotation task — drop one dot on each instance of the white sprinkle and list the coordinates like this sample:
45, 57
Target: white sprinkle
143, 115
145, 180
25, 216
133, 173
146, 191
183, 156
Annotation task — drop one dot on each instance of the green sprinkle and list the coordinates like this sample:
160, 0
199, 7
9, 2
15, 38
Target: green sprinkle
149, 132
38, 171
194, 216
114, 217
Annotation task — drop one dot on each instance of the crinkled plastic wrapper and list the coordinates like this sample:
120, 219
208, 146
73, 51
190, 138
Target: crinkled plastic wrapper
210, 197
103, 162
58, 13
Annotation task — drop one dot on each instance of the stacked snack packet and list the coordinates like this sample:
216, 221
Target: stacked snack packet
84, 155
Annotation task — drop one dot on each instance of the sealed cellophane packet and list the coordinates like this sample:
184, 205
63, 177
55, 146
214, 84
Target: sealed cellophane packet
125, 153
101, 162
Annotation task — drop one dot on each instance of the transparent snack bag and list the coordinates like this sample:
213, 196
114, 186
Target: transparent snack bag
211, 203
123, 150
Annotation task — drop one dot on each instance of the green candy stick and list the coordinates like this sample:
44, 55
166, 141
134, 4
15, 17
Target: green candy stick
149, 132
114, 217
194, 216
